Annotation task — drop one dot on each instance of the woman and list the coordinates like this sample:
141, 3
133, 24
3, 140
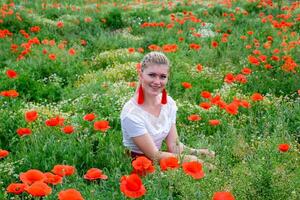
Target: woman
149, 117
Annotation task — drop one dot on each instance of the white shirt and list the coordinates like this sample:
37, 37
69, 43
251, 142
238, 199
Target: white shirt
135, 121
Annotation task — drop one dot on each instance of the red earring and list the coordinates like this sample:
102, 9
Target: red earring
140, 99
164, 97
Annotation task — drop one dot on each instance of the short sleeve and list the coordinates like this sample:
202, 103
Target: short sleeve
133, 126
173, 111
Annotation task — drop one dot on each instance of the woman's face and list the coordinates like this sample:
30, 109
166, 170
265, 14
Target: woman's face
154, 79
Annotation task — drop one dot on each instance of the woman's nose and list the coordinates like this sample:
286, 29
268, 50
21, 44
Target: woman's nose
156, 80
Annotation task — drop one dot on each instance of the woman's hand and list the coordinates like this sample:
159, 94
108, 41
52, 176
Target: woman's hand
206, 152
189, 158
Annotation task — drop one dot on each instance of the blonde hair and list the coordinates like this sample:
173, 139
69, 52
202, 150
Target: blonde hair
156, 58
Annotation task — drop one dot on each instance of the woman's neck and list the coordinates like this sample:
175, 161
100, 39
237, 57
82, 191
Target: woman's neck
151, 101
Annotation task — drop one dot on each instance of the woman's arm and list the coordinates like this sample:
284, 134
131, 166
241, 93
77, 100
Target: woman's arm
173, 143
175, 146
146, 145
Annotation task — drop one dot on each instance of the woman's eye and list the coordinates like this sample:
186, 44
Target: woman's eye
163, 77
152, 75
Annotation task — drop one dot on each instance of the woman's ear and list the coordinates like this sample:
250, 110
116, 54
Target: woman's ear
140, 75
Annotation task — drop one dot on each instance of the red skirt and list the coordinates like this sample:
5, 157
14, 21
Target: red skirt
133, 154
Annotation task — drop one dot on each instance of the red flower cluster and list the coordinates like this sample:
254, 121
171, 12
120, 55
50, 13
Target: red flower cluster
89, 117
63, 170
193, 169
3, 153
230, 78
194, 117
186, 85
101, 125
31, 116
23, 131
142, 166
195, 47
168, 163
94, 174
132, 186
257, 97
223, 196
70, 194
56, 121
9, 93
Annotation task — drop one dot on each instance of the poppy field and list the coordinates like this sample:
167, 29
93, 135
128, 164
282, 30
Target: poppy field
66, 70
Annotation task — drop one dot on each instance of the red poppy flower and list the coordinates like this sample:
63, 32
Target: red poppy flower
170, 48
154, 47
70, 194
199, 67
68, 129
9, 93
195, 46
214, 100
214, 122
11, 73
232, 108
193, 169
283, 147
101, 125
223, 196
60, 24
206, 94
16, 188
214, 44
35, 29
131, 186
194, 117
241, 78
83, 42
250, 32
205, 105
31, 116
257, 97
168, 163
63, 170
52, 56
89, 117
245, 104
94, 173
131, 50
253, 60
3, 153
142, 166
52, 178
88, 19
229, 78
141, 50
268, 66
23, 131
186, 85
132, 84
39, 189
72, 52
246, 71
55, 121
31, 176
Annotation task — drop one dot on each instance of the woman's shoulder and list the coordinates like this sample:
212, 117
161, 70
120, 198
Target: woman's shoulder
130, 108
171, 101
